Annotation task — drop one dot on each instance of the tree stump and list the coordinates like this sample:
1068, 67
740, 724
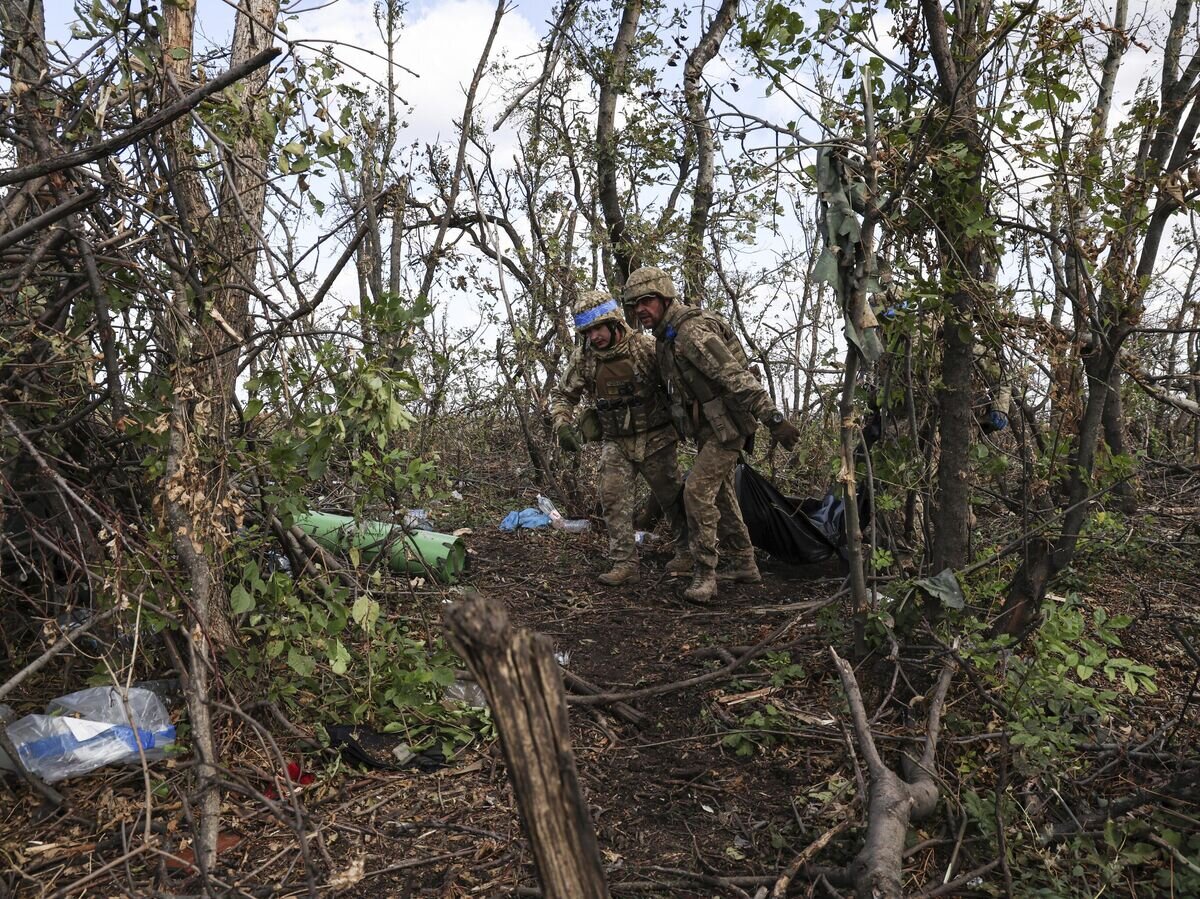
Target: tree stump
518, 674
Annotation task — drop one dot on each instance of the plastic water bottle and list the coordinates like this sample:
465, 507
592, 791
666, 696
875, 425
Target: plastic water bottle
569, 525
548, 509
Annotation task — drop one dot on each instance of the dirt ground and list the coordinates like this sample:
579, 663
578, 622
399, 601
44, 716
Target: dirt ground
718, 790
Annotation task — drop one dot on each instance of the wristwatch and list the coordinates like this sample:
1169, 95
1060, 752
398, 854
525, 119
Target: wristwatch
775, 418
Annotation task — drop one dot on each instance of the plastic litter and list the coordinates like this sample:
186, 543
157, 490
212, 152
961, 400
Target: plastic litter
456, 496
382, 751
277, 561
791, 529
467, 692
570, 525
416, 551
645, 538
418, 520
88, 729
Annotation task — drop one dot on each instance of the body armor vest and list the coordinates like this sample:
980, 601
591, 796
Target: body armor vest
625, 403
724, 415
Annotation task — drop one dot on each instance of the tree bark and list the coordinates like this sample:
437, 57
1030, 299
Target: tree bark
702, 133
962, 259
611, 88
522, 682
892, 801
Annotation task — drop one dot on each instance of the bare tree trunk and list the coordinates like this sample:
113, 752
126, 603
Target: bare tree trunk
23, 23
702, 134
962, 272
612, 86
951, 536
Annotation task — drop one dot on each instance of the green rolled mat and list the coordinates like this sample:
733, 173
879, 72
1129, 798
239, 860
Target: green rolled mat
418, 552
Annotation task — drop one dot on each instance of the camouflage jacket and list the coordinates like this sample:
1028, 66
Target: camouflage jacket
643, 434
708, 375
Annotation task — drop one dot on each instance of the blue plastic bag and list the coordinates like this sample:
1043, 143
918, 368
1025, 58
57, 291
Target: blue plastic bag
526, 518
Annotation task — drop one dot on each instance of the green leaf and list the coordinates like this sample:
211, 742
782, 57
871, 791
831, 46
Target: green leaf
240, 600
300, 663
178, 53
339, 658
252, 409
944, 586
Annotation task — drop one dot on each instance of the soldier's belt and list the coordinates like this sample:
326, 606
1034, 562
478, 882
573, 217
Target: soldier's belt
623, 403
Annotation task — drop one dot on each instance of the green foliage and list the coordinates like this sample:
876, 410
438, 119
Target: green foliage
1068, 678
758, 730
336, 659
782, 669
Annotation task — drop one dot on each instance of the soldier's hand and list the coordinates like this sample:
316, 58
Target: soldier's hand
786, 433
568, 439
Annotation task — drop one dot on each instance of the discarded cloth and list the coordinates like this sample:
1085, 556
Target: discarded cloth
526, 518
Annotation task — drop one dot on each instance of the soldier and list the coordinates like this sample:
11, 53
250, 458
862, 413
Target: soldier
716, 397
618, 370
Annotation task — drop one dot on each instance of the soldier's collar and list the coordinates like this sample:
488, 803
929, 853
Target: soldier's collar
668, 327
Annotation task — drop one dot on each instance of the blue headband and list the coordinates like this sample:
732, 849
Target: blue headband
583, 319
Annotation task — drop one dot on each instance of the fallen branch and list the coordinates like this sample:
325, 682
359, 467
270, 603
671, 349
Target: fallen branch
626, 713
785, 879
893, 801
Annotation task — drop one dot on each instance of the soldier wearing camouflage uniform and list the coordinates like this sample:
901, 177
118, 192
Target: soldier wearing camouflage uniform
714, 395
618, 371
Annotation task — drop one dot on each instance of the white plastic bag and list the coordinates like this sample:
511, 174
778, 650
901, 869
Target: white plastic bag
90, 728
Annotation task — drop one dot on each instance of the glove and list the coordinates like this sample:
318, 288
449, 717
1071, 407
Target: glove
786, 433
568, 439
995, 421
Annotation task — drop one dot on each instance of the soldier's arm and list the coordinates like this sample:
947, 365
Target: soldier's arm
705, 349
999, 386
567, 392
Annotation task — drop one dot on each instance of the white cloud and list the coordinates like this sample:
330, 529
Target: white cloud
441, 44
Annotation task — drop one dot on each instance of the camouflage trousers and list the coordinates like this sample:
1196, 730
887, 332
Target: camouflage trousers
617, 474
712, 508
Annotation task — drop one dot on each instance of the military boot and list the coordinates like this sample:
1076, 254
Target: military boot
703, 589
621, 573
681, 564
742, 570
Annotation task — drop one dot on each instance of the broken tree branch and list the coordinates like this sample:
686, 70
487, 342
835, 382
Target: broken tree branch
518, 674
142, 129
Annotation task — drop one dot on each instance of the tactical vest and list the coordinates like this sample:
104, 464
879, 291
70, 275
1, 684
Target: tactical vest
626, 404
723, 413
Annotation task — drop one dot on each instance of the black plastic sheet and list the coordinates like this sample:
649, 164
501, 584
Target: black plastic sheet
793, 530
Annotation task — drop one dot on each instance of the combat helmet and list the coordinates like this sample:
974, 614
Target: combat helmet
595, 307
646, 281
